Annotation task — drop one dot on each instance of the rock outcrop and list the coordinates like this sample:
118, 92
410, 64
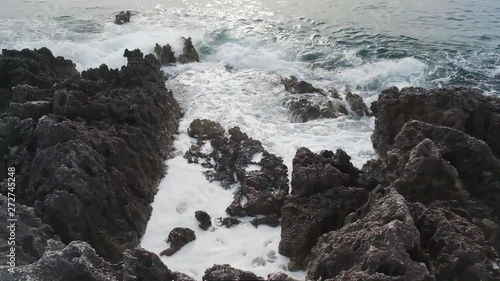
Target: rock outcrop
263, 187
123, 17
88, 151
189, 53
204, 219
307, 102
165, 54
79, 261
178, 238
463, 109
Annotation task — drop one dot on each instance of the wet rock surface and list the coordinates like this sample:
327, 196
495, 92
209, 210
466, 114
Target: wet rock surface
229, 158
178, 238
204, 219
95, 155
227, 273
189, 53
79, 261
165, 54
123, 17
307, 102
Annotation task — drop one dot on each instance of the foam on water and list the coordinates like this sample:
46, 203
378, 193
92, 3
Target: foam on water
244, 54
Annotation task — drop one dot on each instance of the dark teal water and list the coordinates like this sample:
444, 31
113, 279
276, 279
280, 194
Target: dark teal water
458, 41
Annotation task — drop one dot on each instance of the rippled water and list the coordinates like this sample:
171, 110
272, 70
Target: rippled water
245, 47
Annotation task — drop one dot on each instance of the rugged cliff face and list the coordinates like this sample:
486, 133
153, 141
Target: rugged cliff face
88, 149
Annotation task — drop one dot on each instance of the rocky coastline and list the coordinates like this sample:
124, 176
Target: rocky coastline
91, 147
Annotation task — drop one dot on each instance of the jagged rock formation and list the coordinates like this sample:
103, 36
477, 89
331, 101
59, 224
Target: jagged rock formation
323, 195
264, 187
93, 146
189, 53
123, 17
165, 54
78, 261
434, 215
307, 102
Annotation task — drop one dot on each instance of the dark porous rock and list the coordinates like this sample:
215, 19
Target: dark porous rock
463, 109
294, 86
165, 54
306, 107
264, 187
270, 220
204, 129
178, 238
123, 17
279, 276
79, 262
427, 177
441, 163
189, 53
31, 234
304, 219
229, 222
357, 104
93, 146
314, 173
227, 273
455, 248
307, 102
382, 245
374, 107
204, 219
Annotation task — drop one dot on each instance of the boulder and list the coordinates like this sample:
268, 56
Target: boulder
204, 219
307, 107
204, 129
269, 220
178, 238
294, 86
123, 17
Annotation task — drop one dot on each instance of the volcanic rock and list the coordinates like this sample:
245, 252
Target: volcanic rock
229, 222
357, 104
270, 220
204, 219
165, 54
375, 247
189, 53
178, 238
93, 146
304, 219
123, 17
204, 129
463, 109
227, 273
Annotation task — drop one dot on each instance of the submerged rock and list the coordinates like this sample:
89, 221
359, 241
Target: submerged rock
270, 220
123, 17
165, 54
229, 222
294, 86
189, 53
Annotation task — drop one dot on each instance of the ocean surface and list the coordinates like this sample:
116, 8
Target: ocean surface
245, 47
